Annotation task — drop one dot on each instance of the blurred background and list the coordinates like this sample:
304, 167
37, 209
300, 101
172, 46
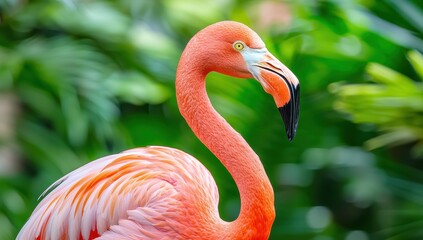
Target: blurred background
82, 79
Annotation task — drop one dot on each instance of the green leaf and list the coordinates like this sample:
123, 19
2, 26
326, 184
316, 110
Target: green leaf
394, 138
385, 75
416, 59
137, 88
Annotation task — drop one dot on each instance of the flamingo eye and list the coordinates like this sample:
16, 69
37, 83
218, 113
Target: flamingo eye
238, 45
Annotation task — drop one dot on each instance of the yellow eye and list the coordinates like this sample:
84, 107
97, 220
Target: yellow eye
239, 46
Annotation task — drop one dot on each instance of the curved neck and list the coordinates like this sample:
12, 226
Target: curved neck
257, 197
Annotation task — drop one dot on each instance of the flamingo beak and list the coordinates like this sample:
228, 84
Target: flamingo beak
278, 81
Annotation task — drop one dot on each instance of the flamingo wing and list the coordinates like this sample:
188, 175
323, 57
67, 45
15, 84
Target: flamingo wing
143, 193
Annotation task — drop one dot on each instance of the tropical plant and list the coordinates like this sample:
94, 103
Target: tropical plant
393, 103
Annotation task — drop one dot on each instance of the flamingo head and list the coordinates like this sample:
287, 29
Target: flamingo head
234, 49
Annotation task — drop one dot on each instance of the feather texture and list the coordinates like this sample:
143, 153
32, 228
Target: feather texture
137, 194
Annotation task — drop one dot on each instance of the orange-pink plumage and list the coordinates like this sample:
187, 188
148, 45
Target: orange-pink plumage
164, 193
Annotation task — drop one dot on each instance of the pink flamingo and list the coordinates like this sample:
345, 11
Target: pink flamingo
164, 193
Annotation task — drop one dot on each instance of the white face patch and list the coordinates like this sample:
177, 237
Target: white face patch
252, 57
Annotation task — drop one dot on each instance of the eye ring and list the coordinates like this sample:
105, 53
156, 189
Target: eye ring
238, 45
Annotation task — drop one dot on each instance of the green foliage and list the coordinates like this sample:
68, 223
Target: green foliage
394, 104
90, 78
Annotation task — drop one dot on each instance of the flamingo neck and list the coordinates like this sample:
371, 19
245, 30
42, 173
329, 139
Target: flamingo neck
257, 197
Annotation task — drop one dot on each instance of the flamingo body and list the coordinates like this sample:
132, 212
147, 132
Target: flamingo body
164, 193
138, 194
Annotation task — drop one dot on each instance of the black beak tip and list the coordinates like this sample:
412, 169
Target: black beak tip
290, 132
290, 114
290, 136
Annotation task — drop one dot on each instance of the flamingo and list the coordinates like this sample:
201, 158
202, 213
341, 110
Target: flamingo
164, 193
